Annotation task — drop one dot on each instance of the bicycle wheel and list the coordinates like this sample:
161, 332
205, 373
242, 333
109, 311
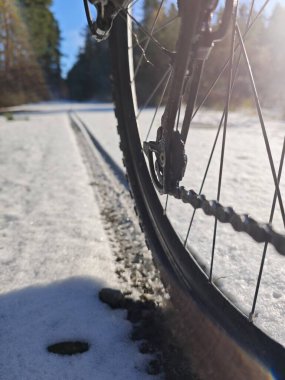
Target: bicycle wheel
199, 261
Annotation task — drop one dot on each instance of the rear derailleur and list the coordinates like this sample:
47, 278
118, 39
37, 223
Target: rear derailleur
167, 161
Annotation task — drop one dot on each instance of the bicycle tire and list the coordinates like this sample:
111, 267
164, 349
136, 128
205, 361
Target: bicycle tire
170, 255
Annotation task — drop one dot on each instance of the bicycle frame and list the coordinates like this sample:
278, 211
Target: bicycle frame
195, 33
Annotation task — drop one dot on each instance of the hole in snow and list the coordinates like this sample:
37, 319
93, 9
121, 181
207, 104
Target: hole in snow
69, 348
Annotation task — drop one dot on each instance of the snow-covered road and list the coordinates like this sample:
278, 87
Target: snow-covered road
54, 258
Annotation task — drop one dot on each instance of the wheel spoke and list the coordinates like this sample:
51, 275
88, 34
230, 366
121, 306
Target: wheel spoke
266, 244
157, 30
205, 175
219, 128
149, 39
146, 32
158, 106
157, 87
224, 67
229, 87
165, 205
262, 124
179, 113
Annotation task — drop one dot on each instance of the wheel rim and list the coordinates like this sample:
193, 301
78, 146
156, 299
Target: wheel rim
248, 307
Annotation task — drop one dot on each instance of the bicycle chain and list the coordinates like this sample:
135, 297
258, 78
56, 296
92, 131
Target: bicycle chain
260, 232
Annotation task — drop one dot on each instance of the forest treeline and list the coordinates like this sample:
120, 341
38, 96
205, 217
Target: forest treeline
30, 57
89, 78
29, 52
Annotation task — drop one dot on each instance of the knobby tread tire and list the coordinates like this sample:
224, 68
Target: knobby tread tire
173, 261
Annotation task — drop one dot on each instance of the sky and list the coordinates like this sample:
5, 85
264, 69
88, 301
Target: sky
72, 21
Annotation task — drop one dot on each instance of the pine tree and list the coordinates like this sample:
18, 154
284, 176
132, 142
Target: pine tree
21, 79
44, 36
90, 76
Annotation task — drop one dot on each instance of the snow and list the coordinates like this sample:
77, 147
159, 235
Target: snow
247, 186
55, 257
